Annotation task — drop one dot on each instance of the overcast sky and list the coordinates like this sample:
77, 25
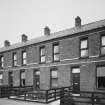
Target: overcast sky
31, 16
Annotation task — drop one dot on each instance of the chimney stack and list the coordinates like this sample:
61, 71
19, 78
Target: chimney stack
6, 43
78, 22
46, 31
24, 38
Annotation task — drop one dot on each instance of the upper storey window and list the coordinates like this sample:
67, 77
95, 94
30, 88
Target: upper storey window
14, 59
42, 55
103, 44
24, 58
1, 61
84, 47
56, 53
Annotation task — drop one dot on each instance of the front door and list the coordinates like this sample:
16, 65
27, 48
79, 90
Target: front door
37, 79
10, 79
76, 80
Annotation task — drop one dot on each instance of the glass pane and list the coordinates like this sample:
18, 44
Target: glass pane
54, 83
43, 59
75, 70
1, 76
56, 49
100, 71
22, 75
24, 54
56, 57
101, 82
103, 40
24, 61
2, 64
15, 63
15, 57
83, 43
54, 74
37, 73
2, 59
84, 53
103, 50
42, 51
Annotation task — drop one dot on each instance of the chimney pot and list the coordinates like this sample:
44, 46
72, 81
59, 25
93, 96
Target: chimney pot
6, 43
77, 21
24, 38
46, 30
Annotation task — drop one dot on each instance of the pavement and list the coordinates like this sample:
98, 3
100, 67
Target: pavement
6, 101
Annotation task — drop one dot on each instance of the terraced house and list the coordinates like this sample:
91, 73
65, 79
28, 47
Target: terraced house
72, 57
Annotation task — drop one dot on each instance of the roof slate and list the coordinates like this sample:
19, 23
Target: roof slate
74, 30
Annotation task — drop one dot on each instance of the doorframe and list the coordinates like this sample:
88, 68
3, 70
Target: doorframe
72, 75
34, 85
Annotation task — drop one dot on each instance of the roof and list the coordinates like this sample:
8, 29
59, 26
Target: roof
67, 32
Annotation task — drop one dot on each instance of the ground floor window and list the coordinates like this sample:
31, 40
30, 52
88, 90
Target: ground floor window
101, 77
54, 78
22, 78
1, 78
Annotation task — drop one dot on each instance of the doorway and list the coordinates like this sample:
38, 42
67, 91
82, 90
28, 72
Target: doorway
76, 80
10, 79
36, 80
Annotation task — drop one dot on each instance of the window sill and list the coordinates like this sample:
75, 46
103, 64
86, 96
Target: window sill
56, 61
42, 62
84, 57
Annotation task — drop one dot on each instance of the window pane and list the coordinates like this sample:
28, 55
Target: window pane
24, 61
54, 83
15, 63
54, 74
75, 70
103, 40
43, 59
84, 53
42, 51
15, 57
83, 44
2, 59
101, 82
56, 48
22, 75
100, 71
102, 50
24, 55
2, 64
1, 76
56, 57
37, 73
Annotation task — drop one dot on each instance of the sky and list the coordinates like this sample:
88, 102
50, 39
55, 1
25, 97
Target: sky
29, 17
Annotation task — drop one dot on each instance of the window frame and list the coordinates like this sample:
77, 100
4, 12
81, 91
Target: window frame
56, 53
36, 78
99, 65
101, 46
51, 78
44, 55
81, 49
1, 80
14, 60
24, 59
1, 62
22, 79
